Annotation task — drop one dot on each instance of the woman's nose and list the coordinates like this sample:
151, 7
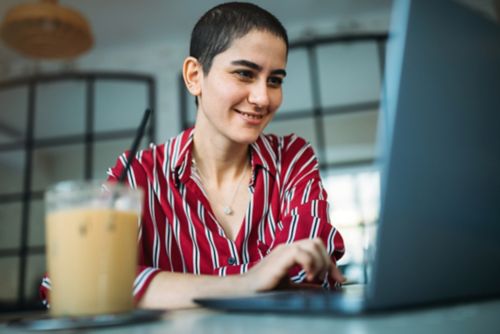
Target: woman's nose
259, 95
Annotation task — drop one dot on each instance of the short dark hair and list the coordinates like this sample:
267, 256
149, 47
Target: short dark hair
220, 26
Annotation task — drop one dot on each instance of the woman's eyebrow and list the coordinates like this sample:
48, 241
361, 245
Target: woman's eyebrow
256, 67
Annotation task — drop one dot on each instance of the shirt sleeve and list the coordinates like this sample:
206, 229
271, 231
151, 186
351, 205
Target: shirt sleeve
44, 290
137, 178
304, 206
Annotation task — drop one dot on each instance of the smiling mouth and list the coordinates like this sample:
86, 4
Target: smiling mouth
250, 116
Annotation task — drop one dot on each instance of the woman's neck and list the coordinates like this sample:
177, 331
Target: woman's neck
219, 159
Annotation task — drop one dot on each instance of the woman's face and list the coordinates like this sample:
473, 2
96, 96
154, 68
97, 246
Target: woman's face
241, 92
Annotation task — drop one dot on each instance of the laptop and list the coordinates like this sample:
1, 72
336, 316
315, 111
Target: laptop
438, 237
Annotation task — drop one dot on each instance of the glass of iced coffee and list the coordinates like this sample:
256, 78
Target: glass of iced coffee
91, 233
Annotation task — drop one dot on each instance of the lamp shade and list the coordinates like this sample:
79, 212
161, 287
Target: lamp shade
46, 30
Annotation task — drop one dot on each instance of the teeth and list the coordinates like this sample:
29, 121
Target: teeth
251, 116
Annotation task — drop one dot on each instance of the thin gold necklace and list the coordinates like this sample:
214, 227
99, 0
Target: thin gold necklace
227, 209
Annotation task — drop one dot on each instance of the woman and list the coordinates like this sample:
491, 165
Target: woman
222, 198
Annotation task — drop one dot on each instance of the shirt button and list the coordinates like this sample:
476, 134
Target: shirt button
231, 261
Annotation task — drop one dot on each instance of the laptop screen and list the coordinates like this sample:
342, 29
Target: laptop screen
439, 227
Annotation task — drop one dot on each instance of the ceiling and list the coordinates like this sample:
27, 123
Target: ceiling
124, 22
117, 23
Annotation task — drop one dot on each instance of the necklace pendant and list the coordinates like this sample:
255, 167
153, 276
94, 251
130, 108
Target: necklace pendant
227, 210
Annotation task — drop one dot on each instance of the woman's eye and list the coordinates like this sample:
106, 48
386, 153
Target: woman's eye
275, 81
245, 74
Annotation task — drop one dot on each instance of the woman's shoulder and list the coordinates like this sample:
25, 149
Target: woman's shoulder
167, 153
289, 155
283, 143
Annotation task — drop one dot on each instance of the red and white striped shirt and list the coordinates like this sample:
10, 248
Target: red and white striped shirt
180, 233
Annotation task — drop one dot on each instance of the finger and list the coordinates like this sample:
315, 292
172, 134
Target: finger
337, 274
325, 257
320, 266
308, 260
322, 259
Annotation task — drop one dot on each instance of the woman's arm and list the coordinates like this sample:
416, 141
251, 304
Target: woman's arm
304, 212
177, 290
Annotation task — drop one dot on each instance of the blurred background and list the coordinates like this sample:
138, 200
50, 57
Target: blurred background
69, 108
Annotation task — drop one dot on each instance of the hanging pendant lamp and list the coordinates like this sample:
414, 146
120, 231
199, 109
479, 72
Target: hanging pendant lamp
46, 30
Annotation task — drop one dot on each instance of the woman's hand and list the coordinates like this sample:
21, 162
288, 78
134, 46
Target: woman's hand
272, 271
176, 290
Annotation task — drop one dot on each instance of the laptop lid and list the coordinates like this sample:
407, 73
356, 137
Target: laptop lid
439, 225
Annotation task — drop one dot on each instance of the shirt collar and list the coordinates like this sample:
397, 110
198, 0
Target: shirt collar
261, 154
181, 164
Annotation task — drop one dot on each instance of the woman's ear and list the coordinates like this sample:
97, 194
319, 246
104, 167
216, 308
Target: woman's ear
192, 73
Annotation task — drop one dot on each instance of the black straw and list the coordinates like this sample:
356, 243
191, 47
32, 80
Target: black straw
135, 145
